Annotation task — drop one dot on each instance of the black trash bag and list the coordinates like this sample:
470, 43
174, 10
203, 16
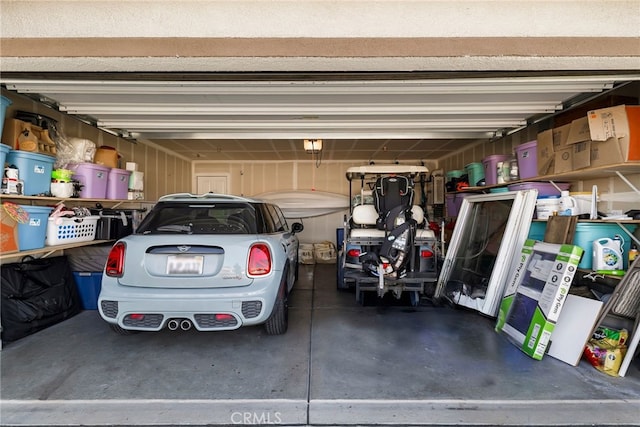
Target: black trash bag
36, 294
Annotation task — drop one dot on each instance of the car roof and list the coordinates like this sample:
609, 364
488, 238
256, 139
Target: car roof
206, 197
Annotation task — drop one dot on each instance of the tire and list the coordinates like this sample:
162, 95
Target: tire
340, 273
414, 298
278, 322
120, 331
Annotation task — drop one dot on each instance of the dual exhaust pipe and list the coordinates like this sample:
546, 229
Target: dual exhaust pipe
184, 324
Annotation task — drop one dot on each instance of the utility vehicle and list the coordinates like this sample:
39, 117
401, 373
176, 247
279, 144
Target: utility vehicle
387, 245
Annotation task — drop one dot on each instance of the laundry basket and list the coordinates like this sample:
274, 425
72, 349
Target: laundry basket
71, 230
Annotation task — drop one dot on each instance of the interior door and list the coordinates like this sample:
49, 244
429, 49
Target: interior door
212, 184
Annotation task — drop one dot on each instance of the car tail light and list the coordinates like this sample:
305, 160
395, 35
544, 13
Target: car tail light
136, 316
425, 253
353, 253
115, 261
223, 317
259, 260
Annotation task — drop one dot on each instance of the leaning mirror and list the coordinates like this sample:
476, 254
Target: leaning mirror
489, 230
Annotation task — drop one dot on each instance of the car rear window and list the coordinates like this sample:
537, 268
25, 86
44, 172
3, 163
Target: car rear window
187, 218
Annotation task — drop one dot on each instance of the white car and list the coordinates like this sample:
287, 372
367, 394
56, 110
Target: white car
212, 262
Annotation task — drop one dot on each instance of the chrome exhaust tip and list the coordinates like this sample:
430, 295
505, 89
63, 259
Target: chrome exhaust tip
185, 325
173, 324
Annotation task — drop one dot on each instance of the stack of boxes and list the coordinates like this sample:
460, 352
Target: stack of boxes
607, 136
136, 182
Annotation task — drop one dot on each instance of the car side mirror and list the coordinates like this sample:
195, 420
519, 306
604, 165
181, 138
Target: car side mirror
297, 227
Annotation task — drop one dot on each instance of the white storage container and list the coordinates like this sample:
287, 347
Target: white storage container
61, 230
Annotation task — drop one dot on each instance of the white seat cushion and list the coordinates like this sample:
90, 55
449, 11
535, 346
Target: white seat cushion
364, 215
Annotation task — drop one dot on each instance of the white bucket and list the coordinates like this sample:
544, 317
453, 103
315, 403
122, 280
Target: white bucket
547, 206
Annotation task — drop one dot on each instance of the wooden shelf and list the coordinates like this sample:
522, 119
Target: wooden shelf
42, 200
590, 173
74, 200
47, 250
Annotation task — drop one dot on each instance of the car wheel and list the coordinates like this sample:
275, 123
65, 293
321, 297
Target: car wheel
120, 331
278, 322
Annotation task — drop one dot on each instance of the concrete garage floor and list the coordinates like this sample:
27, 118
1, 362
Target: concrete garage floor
339, 364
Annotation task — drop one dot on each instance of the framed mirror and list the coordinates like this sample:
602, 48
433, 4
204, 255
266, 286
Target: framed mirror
490, 230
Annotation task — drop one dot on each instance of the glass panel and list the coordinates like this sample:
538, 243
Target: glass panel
482, 233
490, 229
224, 218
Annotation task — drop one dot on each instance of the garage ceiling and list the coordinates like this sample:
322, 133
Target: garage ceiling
375, 119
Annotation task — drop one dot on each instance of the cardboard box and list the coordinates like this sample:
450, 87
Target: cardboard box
577, 154
535, 294
563, 160
619, 124
561, 137
579, 131
135, 195
26, 136
545, 153
581, 155
606, 153
106, 156
552, 151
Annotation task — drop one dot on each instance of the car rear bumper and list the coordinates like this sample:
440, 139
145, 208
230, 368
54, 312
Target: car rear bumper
145, 309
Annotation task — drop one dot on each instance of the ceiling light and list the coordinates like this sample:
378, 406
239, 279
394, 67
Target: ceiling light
312, 146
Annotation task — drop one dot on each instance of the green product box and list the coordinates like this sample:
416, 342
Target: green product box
535, 294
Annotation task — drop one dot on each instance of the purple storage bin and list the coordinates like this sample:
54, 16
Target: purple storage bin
490, 167
545, 189
93, 178
527, 159
454, 203
118, 184
450, 203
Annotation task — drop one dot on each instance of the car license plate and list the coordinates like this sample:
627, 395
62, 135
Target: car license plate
185, 264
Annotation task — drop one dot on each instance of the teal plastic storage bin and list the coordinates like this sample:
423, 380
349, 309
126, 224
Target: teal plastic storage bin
89, 285
586, 233
4, 150
454, 174
32, 234
537, 229
475, 171
35, 171
4, 103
